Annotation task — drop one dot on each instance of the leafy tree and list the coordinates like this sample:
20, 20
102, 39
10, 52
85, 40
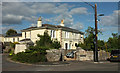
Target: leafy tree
45, 41
56, 44
115, 35
89, 39
11, 32
113, 41
101, 44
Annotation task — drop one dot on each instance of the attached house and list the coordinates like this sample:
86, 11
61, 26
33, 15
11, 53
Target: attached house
13, 38
67, 37
1, 38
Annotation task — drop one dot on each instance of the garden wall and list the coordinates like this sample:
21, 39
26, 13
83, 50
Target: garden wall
20, 48
82, 55
53, 55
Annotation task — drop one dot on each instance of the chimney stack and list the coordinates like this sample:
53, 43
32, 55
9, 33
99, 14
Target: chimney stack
39, 22
62, 23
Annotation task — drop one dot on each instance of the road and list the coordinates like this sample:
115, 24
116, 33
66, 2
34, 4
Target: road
74, 66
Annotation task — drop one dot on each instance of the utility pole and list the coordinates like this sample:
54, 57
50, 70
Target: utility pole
96, 35
96, 32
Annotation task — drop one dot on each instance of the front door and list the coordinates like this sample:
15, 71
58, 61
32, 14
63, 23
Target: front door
66, 46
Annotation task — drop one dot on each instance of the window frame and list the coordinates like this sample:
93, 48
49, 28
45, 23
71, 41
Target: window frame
53, 34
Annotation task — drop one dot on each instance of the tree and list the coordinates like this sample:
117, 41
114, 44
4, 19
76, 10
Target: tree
45, 41
101, 44
56, 44
89, 39
119, 42
113, 42
11, 32
115, 35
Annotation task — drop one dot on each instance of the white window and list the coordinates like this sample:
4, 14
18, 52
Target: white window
25, 35
5, 39
81, 36
78, 36
8, 39
66, 34
74, 34
17, 39
30, 34
13, 39
70, 46
53, 34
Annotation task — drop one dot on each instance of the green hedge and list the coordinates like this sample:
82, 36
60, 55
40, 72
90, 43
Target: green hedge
29, 57
37, 53
32, 55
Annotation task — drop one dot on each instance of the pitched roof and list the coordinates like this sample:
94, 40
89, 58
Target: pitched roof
49, 26
16, 35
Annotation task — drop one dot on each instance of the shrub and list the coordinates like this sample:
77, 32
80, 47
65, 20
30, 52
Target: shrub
11, 53
9, 50
13, 44
37, 53
32, 55
29, 57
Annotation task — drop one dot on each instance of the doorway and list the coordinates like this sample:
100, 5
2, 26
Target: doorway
66, 46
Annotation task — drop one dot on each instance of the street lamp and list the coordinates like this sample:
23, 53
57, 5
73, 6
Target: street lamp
101, 15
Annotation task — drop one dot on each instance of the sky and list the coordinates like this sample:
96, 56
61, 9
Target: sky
77, 15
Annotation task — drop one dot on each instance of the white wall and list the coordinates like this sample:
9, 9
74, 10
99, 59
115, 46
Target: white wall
10, 39
20, 48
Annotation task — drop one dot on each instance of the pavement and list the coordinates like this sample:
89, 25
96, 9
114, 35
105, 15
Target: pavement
60, 66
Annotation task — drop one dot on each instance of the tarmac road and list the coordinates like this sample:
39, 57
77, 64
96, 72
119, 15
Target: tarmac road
74, 66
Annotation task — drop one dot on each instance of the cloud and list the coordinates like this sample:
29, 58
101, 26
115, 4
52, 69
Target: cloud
68, 19
80, 10
77, 26
29, 11
4, 29
16, 12
12, 19
33, 25
109, 28
11, 0
110, 20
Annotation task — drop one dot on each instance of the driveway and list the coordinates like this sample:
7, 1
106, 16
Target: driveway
74, 66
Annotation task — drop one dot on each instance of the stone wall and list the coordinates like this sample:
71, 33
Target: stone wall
82, 55
53, 55
89, 55
103, 55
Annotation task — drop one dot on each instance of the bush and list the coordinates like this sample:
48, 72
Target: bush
11, 53
9, 50
37, 53
29, 57
13, 44
32, 55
